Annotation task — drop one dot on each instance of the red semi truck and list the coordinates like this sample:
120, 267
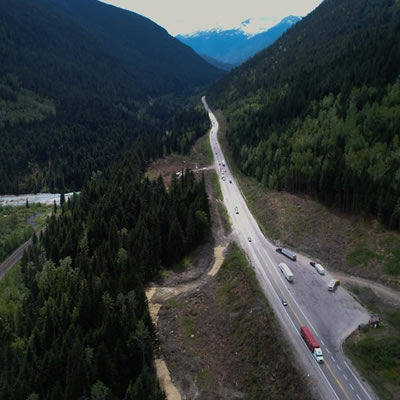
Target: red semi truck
311, 343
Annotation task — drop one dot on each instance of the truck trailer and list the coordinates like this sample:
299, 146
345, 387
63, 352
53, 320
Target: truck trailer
286, 271
287, 253
311, 343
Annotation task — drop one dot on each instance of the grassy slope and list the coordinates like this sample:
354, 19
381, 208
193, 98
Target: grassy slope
268, 372
376, 352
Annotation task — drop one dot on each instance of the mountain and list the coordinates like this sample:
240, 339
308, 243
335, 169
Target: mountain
318, 111
218, 64
234, 46
75, 78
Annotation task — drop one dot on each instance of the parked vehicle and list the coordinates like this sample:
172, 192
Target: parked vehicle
286, 271
333, 284
287, 253
311, 343
319, 268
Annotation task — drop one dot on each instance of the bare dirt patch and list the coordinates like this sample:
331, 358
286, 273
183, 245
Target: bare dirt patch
200, 157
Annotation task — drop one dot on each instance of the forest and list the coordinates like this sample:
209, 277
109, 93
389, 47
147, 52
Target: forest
83, 328
74, 91
318, 112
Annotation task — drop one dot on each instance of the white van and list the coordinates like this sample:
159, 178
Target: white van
320, 269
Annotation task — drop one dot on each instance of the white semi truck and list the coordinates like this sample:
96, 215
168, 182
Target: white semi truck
286, 271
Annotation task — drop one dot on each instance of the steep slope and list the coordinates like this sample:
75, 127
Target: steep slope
74, 78
218, 64
159, 62
234, 46
318, 111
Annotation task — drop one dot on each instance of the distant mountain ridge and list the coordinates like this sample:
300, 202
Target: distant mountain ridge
234, 46
318, 111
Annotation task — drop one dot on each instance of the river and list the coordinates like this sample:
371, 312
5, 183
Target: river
20, 199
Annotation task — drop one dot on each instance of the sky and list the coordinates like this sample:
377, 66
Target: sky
187, 16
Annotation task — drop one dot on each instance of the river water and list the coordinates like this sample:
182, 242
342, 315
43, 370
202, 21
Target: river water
20, 199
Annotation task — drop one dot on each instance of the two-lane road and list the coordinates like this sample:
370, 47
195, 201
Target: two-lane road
331, 316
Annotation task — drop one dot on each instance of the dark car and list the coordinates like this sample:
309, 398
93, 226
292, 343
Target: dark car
284, 302
230, 181
312, 263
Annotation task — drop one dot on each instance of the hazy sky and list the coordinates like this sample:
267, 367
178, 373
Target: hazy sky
186, 16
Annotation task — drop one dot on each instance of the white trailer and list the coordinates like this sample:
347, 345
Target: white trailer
320, 269
286, 271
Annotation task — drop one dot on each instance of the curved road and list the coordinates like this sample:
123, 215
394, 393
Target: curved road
331, 316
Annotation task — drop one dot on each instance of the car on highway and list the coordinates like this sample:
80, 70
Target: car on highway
236, 210
230, 181
248, 238
284, 302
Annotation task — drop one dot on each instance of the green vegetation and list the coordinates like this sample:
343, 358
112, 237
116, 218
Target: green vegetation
12, 292
267, 371
18, 105
376, 352
188, 327
360, 254
318, 111
223, 212
14, 226
74, 317
74, 92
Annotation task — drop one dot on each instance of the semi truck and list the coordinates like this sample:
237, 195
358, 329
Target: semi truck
287, 253
312, 344
286, 271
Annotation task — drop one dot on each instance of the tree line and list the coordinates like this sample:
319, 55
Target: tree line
83, 329
318, 111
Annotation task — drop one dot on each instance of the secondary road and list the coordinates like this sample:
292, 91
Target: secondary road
331, 316
14, 258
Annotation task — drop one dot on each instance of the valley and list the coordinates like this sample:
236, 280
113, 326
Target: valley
209, 223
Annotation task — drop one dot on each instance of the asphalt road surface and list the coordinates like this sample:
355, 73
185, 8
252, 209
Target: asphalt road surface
14, 258
331, 316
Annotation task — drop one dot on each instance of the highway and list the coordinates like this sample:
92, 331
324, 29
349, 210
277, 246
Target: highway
331, 316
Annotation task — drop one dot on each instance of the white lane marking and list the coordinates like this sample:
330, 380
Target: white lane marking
328, 350
351, 387
333, 359
269, 283
256, 256
338, 366
345, 377
280, 277
358, 397
323, 344
358, 381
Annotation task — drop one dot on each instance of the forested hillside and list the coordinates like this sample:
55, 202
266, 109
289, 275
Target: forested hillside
75, 81
83, 328
318, 112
